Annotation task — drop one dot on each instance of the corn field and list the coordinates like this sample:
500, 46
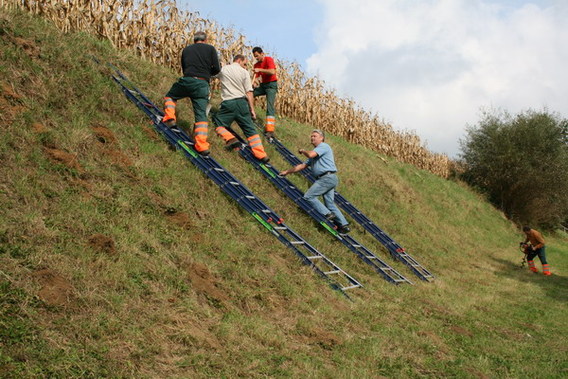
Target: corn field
158, 31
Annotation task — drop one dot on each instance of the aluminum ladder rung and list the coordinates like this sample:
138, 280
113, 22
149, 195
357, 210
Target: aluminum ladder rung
315, 257
350, 287
332, 272
297, 242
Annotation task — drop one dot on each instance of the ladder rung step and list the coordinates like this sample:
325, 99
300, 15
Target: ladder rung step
281, 227
315, 257
356, 246
219, 169
332, 272
235, 183
371, 257
297, 242
266, 211
250, 197
349, 287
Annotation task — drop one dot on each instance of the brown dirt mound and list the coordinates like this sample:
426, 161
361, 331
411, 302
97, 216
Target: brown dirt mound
29, 46
39, 128
102, 243
179, 218
104, 135
56, 290
323, 338
204, 283
107, 138
10, 104
67, 159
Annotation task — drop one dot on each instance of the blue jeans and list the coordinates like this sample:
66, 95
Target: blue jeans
325, 186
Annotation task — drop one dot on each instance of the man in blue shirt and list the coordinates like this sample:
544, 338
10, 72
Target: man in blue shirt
322, 164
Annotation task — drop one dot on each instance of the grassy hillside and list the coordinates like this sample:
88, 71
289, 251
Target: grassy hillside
118, 258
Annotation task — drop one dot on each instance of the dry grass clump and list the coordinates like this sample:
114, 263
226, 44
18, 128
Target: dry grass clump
158, 30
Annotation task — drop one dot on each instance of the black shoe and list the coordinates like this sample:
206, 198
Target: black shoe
203, 153
232, 144
171, 124
343, 229
265, 159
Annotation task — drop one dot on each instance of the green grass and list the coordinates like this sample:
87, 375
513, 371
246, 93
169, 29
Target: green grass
217, 295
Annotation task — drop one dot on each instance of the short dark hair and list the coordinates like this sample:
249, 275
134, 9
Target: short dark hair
526, 228
199, 36
238, 57
257, 49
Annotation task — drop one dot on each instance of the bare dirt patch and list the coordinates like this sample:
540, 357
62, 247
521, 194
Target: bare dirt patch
107, 139
67, 159
323, 338
180, 219
10, 104
104, 135
39, 127
29, 47
461, 331
204, 283
55, 290
102, 244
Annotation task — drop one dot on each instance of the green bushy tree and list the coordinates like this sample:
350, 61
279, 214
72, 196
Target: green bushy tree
521, 163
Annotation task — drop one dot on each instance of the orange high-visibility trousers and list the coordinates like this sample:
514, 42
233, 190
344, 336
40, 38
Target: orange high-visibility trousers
256, 146
546, 269
224, 133
270, 124
200, 136
169, 109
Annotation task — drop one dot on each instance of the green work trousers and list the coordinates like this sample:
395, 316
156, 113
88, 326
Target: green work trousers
197, 90
269, 89
236, 110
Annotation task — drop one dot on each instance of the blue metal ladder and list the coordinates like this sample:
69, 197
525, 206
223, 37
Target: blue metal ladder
336, 277
286, 186
396, 251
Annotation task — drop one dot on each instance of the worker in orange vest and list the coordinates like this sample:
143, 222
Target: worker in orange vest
536, 247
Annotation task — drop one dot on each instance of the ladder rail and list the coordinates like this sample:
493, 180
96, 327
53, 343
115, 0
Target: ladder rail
239, 192
395, 250
286, 186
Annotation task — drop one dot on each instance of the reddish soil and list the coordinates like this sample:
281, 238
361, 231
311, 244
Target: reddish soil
102, 243
67, 159
204, 283
56, 290
180, 219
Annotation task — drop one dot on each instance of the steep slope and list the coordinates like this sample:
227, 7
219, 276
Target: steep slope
118, 258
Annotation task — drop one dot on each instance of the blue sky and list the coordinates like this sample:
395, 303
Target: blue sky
284, 28
427, 66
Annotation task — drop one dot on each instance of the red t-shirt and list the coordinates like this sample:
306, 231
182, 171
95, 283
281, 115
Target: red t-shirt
267, 63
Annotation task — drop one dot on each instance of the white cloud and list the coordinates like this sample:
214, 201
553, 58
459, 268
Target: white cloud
429, 66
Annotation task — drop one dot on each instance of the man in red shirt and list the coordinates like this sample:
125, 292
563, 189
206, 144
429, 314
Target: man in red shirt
265, 83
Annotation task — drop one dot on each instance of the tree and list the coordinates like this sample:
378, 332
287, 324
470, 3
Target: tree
521, 163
